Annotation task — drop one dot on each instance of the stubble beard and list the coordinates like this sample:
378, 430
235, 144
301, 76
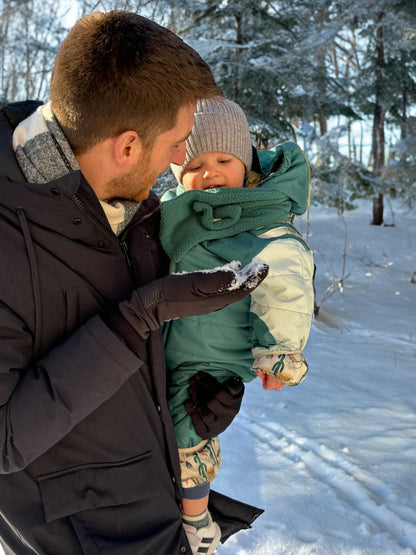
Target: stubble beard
135, 185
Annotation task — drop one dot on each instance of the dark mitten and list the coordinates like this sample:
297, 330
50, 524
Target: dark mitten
213, 405
187, 294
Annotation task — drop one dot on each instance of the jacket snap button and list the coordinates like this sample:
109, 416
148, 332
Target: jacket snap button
76, 221
183, 549
101, 244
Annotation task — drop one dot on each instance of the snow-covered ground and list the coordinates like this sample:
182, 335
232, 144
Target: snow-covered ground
332, 461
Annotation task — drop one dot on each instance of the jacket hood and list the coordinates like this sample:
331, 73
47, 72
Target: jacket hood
194, 216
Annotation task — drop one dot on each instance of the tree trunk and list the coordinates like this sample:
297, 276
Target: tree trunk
378, 210
321, 17
378, 145
405, 102
238, 41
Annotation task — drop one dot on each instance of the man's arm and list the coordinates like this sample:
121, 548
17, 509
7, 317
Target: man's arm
39, 405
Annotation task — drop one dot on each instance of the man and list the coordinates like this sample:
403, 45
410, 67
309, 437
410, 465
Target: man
88, 458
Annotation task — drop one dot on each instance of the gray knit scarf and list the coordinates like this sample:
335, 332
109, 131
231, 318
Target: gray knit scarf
43, 154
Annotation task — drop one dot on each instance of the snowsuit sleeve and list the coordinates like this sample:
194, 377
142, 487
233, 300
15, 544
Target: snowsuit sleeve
282, 306
58, 392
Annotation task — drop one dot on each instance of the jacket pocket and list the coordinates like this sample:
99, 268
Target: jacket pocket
96, 485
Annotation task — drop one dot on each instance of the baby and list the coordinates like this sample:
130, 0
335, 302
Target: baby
232, 204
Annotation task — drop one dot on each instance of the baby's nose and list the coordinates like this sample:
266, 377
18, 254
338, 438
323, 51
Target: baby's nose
209, 172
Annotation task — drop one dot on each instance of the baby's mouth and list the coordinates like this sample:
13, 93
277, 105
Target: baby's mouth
215, 186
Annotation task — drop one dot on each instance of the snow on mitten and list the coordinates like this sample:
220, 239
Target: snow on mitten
290, 368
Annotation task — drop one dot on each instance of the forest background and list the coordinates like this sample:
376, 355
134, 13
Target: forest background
334, 460
338, 77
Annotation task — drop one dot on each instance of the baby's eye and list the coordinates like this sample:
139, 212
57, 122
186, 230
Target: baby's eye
193, 168
224, 160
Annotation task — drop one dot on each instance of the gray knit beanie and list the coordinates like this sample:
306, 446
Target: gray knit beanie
219, 126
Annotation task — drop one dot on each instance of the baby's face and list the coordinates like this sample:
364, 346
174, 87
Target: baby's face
213, 169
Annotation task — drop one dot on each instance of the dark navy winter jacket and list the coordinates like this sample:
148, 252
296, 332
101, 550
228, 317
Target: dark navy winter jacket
88, 459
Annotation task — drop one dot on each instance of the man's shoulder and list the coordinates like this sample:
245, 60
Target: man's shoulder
10, 116
14, 112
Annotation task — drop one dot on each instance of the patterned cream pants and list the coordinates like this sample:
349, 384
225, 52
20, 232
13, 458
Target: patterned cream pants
201, 463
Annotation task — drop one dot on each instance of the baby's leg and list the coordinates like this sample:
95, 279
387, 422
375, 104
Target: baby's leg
199, 466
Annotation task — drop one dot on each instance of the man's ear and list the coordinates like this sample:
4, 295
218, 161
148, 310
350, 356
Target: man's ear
127, 149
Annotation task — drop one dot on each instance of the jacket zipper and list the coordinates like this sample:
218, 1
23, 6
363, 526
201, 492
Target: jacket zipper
96, 222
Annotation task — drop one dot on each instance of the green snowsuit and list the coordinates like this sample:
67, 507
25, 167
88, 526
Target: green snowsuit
206, 229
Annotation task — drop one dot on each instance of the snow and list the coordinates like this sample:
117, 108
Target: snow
247, 277
332, 460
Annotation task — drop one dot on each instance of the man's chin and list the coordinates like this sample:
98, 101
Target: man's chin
142, 195
139, 198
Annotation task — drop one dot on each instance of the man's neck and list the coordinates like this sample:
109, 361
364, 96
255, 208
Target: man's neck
97, 168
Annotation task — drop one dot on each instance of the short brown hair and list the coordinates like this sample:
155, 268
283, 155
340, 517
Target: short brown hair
117, 71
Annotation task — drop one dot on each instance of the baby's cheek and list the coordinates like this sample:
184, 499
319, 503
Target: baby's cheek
192, 182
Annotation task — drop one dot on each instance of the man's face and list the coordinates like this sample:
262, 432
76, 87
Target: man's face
169, 147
